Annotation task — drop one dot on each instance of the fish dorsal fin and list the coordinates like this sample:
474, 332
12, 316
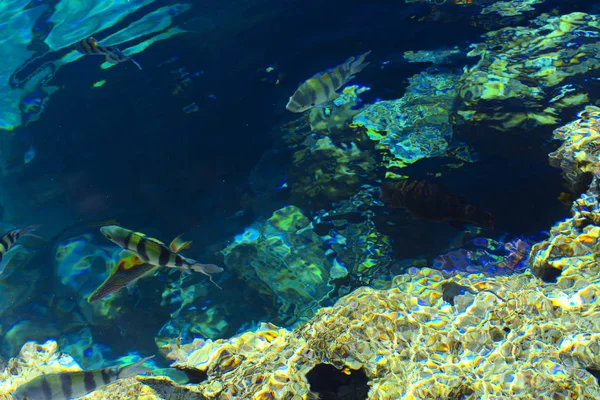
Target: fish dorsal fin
179, 244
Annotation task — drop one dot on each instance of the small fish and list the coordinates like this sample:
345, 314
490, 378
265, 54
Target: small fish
190, 108
321, 88
270, 75
430, 201
113, 55
71, 385
29, 155
10, 238
155, 253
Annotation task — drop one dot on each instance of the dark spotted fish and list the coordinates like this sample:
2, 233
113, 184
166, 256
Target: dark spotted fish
155, 253
433, 202
321, 88
71, 385
10, 238
113, 55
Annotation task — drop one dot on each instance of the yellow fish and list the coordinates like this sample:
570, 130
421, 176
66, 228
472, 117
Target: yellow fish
321, 88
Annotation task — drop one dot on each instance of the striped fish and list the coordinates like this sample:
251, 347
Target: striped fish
113, 55
71, 385
155, 253
10, 238
321, 88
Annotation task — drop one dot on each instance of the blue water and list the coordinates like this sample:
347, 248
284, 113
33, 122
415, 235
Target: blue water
193, 144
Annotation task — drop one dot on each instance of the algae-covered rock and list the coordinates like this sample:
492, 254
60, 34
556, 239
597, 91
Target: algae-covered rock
416, 126
283, 259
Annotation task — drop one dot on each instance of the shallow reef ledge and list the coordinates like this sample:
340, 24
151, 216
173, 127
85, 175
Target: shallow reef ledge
530, 335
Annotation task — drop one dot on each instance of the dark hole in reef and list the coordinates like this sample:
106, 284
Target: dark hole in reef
548, 274
595, 373
461, 393
332, 384
194, 375
452, 289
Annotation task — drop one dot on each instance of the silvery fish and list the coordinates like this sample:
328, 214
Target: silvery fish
71, 385
155, 253
321, 88
113, 55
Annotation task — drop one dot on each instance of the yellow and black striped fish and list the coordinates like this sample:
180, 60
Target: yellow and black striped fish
10, 238
71, 385
321, 88
113, 55
154, 252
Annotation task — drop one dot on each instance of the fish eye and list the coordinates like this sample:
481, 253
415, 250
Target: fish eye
109, 237
312, 104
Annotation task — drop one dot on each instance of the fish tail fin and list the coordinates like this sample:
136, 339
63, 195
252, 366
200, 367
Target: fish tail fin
28, 231
137, 64
206, 269
358, 64
134, 369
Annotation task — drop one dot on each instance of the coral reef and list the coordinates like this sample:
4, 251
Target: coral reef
431, 56
569, 255
511, 8
324, 171
511, 337
539, 68
505, 337
578, 156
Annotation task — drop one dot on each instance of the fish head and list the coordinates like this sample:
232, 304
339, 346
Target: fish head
114, 233
299, 103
